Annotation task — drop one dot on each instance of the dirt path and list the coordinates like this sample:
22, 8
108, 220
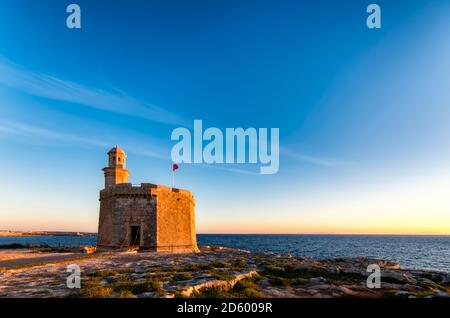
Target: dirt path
19, 262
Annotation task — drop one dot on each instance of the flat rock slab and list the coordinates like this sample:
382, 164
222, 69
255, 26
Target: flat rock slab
17, 261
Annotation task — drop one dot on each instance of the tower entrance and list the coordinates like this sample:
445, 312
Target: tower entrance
135, 238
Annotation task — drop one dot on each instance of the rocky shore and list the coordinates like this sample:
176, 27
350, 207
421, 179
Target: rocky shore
214, 272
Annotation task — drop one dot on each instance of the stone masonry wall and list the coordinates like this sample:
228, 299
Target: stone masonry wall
121, 207
165, 217
175, 220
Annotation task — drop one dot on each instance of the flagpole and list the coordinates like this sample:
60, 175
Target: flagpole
174, 167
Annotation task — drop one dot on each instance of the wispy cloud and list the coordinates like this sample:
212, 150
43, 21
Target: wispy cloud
112, 100
4, 129
32, 133
229, 169
323, 162
39, 133
141, 151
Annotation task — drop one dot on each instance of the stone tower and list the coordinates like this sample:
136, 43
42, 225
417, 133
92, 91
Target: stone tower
148, 216
116, 173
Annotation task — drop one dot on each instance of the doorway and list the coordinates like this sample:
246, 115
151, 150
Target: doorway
135, 235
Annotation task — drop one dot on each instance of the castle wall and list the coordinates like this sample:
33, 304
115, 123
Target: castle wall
165, 217
104, 236
175, 224
121, 207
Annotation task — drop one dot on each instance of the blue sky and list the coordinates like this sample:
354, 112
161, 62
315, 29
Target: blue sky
363, 114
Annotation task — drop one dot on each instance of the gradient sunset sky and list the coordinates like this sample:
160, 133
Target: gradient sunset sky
364, 115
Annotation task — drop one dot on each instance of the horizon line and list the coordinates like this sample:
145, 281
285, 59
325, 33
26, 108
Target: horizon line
278, 233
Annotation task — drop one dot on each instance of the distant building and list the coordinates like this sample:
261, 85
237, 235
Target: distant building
148, 216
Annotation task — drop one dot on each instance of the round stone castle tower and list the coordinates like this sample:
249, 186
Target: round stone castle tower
148, 216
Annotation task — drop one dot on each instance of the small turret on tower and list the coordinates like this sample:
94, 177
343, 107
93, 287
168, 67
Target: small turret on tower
116, 173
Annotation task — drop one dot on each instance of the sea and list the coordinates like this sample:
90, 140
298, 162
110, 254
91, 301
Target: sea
412, 252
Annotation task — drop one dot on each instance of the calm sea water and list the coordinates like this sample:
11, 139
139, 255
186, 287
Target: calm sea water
420, 252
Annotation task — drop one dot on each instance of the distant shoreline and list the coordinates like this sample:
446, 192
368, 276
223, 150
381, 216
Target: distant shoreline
44, 233
5, 233
411, 251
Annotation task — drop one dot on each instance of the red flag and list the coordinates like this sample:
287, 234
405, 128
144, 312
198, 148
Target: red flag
174, 167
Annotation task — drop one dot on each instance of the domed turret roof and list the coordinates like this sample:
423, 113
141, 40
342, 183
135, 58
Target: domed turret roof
116, 149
